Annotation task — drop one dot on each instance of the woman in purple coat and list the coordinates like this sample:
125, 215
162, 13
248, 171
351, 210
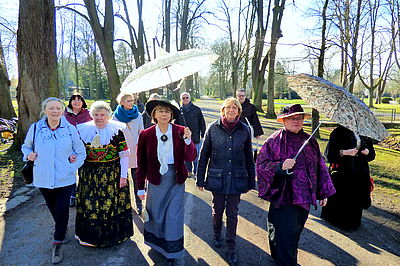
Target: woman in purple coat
291, 186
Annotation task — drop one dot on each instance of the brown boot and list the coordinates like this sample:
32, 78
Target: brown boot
57, 254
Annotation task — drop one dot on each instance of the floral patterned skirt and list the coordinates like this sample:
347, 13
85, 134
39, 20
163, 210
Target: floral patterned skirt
103, 210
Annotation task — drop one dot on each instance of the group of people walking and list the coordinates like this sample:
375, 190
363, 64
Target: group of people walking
106, 148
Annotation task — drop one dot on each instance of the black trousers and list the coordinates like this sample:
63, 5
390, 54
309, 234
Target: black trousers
135, 188
230, 202
285, 225
57, 201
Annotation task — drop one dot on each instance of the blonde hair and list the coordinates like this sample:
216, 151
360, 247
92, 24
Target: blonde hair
230, 101
122, 96
159, 107
51, 99
100, 105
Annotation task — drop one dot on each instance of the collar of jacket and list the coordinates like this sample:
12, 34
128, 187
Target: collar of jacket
246, 101
238, 125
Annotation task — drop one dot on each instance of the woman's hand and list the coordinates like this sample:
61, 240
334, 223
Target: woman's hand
349, 152
72, 158
32, 156
200, 188
323, 202
122, 182
365, 152
288, 164
187, 134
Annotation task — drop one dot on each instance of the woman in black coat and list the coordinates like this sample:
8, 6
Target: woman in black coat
226, 154
348, 155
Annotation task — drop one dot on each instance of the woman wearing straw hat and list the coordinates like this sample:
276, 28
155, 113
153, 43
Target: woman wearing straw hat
162, 151
291, 185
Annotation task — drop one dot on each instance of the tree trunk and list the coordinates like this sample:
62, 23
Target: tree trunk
321, 59
276, 33
6, 110
104, 36
167, 25
37, 63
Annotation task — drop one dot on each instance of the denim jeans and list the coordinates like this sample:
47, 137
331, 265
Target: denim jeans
192, 166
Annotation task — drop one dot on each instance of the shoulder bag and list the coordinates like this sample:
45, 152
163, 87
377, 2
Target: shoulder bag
27, 170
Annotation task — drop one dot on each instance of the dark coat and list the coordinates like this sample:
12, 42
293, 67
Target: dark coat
226, 159
351, 178
148, 164
194, 120
250, 112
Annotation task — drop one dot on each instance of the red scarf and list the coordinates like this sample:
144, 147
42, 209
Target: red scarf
229, 125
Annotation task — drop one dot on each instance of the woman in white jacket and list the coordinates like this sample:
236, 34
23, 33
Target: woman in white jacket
55, 147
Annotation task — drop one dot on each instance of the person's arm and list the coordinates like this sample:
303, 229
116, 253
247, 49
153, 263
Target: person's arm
78, 148
248, 150
27, 147
141, 171
205, 155
202, 124
258, 131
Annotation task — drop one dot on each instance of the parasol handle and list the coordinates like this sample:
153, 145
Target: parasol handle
288, 171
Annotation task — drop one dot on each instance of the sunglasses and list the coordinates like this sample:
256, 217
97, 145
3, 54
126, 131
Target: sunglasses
184, 98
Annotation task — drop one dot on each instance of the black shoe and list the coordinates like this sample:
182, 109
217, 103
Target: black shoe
57, 254
232, 258
217, 242
171, 262
72, 202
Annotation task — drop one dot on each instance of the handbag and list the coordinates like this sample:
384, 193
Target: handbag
27, 169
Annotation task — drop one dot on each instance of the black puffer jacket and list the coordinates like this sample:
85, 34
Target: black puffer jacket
227, 158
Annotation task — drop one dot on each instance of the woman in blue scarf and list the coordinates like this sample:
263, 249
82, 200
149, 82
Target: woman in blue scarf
127, 112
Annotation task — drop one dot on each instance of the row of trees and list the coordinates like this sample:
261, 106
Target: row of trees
83, 52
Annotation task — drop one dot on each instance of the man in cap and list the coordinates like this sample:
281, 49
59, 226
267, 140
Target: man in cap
291, 185
249, 114
192, 118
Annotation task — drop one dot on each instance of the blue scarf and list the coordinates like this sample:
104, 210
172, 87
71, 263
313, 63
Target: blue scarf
124, 115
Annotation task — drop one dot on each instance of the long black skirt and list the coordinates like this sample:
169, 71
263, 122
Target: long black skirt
103, 210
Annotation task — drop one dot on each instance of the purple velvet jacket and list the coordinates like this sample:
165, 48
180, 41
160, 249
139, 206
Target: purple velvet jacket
310, 180
148, 164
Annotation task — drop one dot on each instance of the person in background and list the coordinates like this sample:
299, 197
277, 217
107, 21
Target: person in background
146, 117
162, 150
192, 117
57, 152
127, 112
348, 155
291, 185
249, 114
103, 208
76, 113
226, 168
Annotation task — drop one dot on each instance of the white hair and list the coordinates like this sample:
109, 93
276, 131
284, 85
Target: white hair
100, 105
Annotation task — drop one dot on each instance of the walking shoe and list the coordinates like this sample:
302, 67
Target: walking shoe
217, 242
171, 262
56, 255
232, 258
72, 202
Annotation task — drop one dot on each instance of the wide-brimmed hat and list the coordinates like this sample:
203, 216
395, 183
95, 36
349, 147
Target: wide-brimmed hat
291, 110
153, 103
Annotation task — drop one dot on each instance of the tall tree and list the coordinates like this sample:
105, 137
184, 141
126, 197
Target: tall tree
259, 61
6, 110
104, 36
276, 34
37, 63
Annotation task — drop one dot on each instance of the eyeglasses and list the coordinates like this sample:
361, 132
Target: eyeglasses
241, 96
160, 111
295, 118
184, 98
77, 100
129, 101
